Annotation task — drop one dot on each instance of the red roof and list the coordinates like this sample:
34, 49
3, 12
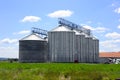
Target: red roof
109, 54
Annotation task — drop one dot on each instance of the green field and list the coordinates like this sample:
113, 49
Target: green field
58, 71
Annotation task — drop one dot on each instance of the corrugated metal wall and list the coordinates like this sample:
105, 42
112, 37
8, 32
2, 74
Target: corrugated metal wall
89, 50
32, 51
61, 46
68, 46
97, 50
64, 45
80, 46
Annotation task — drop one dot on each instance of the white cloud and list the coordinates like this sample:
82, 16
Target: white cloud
8, 41
117, 10
22, 32
60, 13
88, 27
113, 35
111, 41
9, 52
101, 29
97, 29
9, 48
30, 19
110, 45
118, 26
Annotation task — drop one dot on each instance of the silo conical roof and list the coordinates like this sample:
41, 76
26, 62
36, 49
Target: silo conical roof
94, 38
76, 32
33, 36
87, 36
61, 28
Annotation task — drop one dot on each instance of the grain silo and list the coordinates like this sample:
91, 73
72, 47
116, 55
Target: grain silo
89, 49
32, 48
96, 49
80, 46
61, 41
68, 42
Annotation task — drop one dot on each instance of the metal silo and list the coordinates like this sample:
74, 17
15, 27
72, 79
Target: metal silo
80, 46
84, 41
96, 49
32, 48
89, 49
61, 41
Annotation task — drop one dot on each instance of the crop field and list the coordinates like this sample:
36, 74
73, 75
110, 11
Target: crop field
58, 71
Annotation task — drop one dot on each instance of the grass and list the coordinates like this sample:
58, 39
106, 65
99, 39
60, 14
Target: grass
58, 71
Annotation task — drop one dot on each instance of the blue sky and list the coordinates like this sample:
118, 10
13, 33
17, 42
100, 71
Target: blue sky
17, 17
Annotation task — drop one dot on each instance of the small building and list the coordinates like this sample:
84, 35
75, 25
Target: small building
109, 57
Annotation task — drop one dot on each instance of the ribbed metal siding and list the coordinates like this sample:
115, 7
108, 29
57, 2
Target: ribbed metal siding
97, 51
32, 51
89, 50
80, 46
84, 49
94, 50
61, 46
